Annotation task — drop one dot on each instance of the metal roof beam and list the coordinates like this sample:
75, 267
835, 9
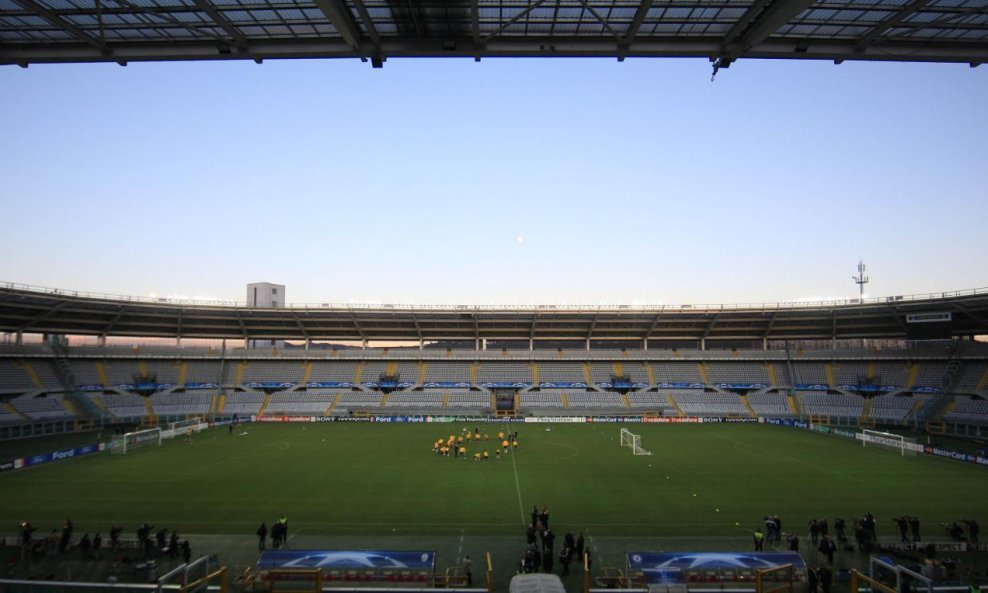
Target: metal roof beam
513, 20
760, 21
904, 13
239, 41
341, 19
632, 32
600, 19
54, 18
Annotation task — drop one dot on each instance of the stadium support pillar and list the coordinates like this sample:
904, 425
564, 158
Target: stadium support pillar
101, 341
531, 344
421, 344
178, 341
764, 343
588, 344
308, 342
246, 343
645, 344
363, 344
484, 344
19, 338
703, 344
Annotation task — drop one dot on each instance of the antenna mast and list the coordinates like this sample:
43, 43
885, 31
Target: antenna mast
860, 279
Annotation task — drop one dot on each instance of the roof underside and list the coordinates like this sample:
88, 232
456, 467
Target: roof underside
39, 31
36, 312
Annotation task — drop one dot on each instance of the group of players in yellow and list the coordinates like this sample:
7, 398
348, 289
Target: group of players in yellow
456, 445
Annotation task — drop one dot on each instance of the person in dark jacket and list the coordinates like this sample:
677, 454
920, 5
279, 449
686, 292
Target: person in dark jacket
262, 536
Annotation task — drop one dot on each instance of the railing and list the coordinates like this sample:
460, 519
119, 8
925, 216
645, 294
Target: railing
604, 307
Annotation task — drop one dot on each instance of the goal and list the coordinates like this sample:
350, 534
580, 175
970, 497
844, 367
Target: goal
184, 427
875, 438
132, 440
630, 439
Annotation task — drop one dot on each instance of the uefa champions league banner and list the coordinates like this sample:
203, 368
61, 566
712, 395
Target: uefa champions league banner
346, 559
674, 567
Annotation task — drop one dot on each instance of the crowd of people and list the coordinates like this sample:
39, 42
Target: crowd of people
472, 444
150, 544
540, 546
279, 534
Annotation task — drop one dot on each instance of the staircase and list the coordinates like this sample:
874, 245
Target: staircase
83, 406
535, 373
772, 377
651, 373
913, 373
618, 369
672, 402
422, 369
152, 419
586, 374
829, 368
306, 373
565, 400
624, 398
33, 374
264, 404
747, 405
866, 411
336, 402
183, 372
793, 407
360, 371
10, 408
473, 373
101, 372
703, 373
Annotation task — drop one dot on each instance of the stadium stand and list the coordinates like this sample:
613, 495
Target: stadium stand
968, 411
676, 372
181, 404
451, 372
356, 402
493, 372
818, 403
697, 403
596, 401
299, 403
773, 405
14, 378
893, 408
41, 407
246, 403
737, 372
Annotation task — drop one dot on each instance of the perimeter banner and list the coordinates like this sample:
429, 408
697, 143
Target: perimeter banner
354, 559
674, 567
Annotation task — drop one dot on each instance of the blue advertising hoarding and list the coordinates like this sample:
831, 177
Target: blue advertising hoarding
346, 559
674, 567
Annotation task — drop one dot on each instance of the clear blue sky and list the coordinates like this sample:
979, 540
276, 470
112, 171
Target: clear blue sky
634, 182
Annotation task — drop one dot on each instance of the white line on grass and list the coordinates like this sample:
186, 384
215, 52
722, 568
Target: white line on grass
521, 507
459, 551
292, 536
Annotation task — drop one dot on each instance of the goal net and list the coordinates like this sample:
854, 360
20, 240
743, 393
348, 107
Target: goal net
184, 427
634, 441
123, 443
888, 440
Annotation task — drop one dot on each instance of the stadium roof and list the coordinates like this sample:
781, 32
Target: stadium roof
40, 31
65, 312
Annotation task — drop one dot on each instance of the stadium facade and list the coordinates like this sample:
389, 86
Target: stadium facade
666, 362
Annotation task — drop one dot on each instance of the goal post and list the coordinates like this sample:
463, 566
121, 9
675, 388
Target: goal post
634, 441
183, 427
888, 440
120, 444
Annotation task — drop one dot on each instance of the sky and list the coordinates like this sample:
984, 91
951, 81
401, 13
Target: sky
512, 181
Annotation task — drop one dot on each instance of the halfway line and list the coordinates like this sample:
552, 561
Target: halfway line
521, 507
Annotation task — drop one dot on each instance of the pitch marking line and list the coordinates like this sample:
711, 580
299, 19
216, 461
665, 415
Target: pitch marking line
521, 507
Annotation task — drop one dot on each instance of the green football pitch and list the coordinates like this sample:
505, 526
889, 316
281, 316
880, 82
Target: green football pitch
380, 486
